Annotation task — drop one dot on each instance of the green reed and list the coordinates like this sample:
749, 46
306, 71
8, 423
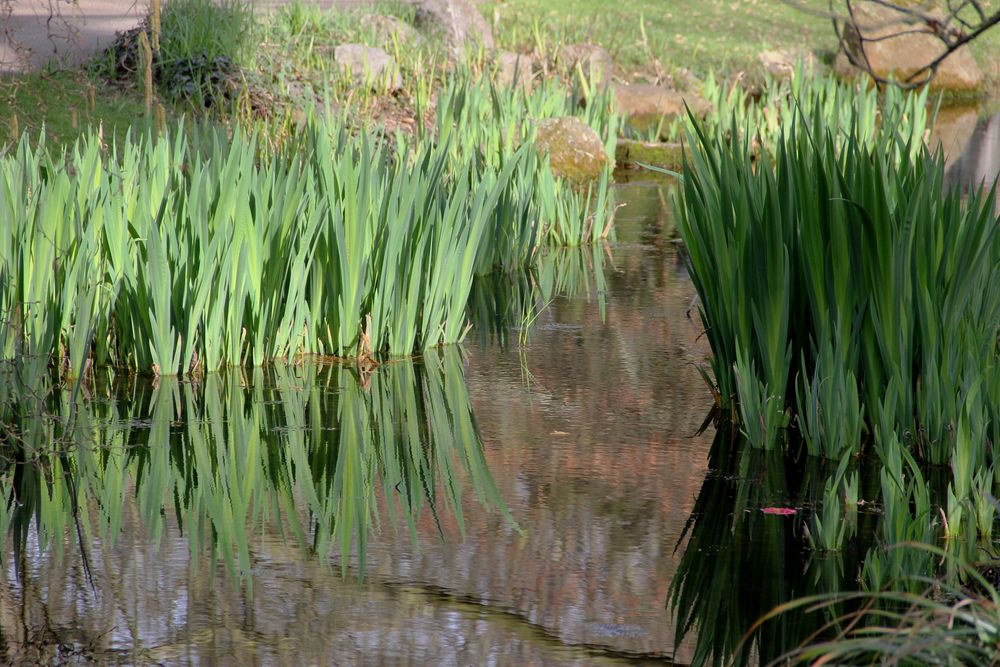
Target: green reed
836, 517
845, 289
849, 299
920, 620
737, 563
198, 250
848, 108
478, 117
876, 535
927, 589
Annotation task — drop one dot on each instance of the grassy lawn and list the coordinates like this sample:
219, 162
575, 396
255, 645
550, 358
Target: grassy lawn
695, 34
700, 35
292, 53
66, 103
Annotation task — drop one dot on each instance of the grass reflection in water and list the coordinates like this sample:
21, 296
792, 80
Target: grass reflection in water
321, 453
753, 590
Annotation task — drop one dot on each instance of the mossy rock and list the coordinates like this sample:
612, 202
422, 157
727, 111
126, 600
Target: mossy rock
575, 151
666, 155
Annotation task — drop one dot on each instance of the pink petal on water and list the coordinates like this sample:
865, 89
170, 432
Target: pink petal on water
780, 511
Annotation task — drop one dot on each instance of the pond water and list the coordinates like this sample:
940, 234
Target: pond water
979, 161
553, 541
527, 498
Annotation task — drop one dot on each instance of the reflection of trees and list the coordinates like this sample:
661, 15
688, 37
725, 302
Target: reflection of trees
594, 455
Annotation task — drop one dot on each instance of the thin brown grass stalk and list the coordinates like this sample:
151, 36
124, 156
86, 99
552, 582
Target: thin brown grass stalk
146, 53
154, 24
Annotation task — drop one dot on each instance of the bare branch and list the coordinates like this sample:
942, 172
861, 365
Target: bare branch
954, 25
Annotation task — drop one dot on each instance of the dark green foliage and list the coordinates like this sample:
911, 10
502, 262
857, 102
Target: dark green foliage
843, 288
852, 303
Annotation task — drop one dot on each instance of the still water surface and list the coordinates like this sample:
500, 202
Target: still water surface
523, 499
557, 547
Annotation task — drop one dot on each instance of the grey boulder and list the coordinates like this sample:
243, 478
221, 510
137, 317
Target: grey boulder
460, 23
368, 65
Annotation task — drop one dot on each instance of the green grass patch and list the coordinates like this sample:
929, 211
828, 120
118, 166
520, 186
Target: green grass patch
207, 29
67, 104
650, 37
699, 36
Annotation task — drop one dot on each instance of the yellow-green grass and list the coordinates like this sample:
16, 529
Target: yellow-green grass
654, 36
700, 35
66, 103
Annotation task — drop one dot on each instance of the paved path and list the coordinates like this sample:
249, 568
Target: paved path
34, 33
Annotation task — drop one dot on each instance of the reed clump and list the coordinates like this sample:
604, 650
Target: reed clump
848, 108
850, 299
479, 117
847, 293
173, 259
197, 250
919, 620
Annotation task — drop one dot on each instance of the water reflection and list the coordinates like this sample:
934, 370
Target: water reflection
502, 305
594, 456
741, 563
201, 503
218, 473
647, 213
979, 163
